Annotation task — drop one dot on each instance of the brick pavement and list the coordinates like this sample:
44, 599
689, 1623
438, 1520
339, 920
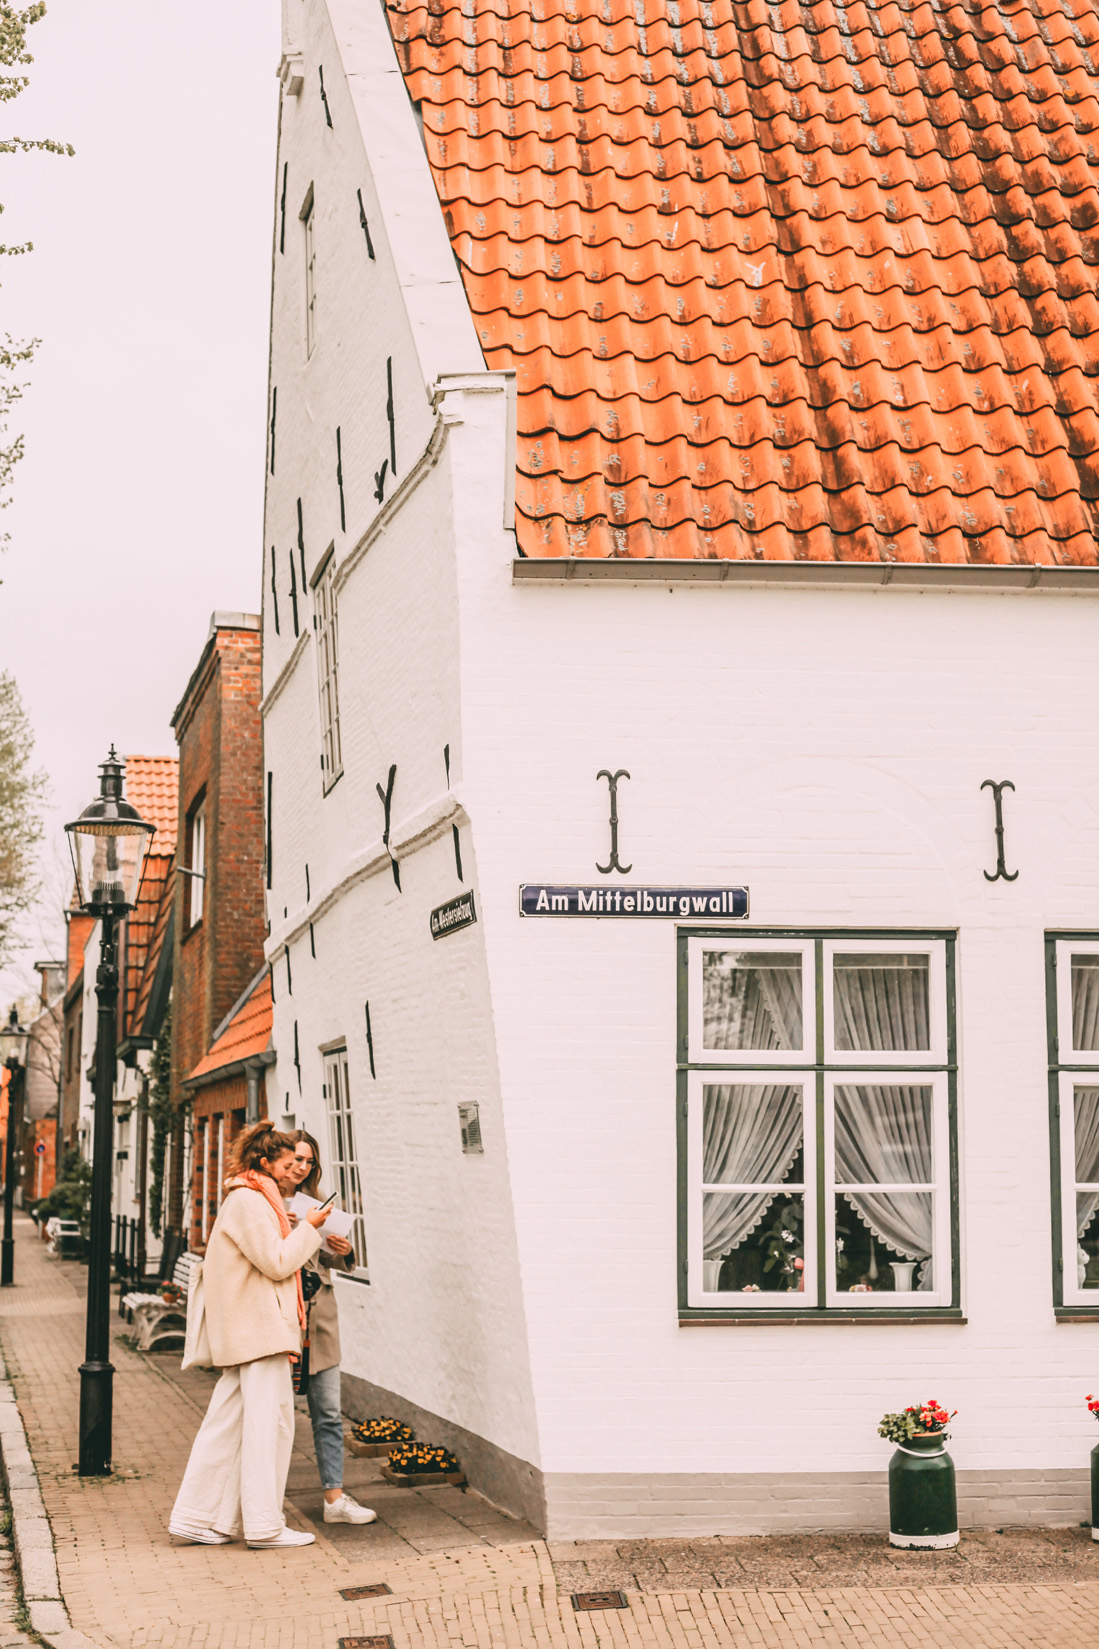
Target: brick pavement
463, 1576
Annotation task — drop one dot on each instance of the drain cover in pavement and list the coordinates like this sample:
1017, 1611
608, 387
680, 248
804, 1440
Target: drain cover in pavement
385, 1642
352, 1593
599, 1600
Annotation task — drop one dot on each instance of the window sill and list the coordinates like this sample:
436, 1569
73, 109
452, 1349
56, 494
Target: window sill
351, 1277
195, 927
743, 1319
1076, 1314
330, 784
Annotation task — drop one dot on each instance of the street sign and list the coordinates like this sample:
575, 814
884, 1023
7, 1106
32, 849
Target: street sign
40, 1148
603, 899
455, 914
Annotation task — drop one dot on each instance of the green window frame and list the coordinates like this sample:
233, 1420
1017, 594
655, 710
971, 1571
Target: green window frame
803, 1095
1072, 1022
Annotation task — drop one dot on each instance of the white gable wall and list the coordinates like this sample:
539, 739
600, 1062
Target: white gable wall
440, 1234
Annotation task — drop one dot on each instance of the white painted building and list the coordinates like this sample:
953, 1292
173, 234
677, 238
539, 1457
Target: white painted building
864, 1072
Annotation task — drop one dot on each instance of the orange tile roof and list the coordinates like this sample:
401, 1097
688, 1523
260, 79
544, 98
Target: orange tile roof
152, 786
780, 281
145, 928
158, 935
248, 1032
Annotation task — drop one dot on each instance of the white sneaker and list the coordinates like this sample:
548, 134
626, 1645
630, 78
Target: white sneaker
199, 1537
346, 1510
285, 1537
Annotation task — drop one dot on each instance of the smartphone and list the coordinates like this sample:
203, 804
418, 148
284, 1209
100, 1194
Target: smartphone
328, 1201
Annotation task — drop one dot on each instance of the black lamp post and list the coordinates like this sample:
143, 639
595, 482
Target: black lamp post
13, 1049
108, 844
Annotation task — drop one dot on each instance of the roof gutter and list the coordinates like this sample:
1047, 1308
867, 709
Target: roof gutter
238, 1067
906, 575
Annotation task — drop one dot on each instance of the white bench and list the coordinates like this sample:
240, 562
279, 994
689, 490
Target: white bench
158, 1323
63, 1232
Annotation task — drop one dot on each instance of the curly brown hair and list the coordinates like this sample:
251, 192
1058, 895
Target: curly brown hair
254, 1147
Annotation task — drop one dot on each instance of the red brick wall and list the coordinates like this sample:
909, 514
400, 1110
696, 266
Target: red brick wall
220, 753
35, 1185
220, 1099
79, 931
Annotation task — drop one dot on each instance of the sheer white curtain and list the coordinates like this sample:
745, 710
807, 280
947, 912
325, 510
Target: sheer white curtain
883, 1135
751, 1133
884, 1131
882, 1004
751, 1001
1085, 1002
1087, 1155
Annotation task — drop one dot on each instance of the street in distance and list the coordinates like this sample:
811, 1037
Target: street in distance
548, 899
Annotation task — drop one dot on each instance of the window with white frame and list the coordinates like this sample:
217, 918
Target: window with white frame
324, 619
196, 878
308, 217
1073, 971
817, 1131
343, 1157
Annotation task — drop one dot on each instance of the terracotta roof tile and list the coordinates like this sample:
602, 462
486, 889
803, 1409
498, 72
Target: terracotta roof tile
247, 1033
793, 281
145, 926
152, 786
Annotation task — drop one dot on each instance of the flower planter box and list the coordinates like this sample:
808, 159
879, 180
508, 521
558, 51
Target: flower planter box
368, 1451
421, 1480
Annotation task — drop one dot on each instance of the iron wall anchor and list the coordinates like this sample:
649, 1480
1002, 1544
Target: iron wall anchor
1001, 871
612, 782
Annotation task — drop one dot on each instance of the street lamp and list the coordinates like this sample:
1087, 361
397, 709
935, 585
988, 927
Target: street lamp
108, 844
13, 1051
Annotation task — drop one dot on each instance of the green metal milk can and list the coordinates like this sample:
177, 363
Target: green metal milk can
923, 1501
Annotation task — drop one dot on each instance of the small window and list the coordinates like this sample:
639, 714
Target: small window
342, 1154
310, 275
815, 1183
1074, 1108
196, 866
324, 611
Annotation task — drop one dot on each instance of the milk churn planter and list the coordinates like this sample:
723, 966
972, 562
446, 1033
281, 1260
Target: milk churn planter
923, 1502
1093, 1408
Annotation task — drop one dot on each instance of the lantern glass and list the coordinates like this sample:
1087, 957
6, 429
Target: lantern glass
13, 1040
108, 844
107, 860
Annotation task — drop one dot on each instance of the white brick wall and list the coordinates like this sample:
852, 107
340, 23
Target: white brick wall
828, 750
825, 747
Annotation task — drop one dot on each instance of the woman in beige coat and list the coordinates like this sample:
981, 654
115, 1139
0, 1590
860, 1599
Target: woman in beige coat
236, 1475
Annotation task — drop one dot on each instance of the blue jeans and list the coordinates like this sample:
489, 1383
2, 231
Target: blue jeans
323, 1397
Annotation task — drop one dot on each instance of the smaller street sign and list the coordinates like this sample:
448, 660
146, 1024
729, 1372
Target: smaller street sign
605, 899
40, 1148
455, 914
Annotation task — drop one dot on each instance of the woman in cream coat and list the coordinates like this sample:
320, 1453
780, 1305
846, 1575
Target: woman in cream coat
236, 1476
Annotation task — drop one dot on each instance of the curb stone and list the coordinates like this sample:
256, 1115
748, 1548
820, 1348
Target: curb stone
31, 1533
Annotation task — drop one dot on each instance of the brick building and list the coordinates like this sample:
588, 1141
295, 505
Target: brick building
228, 1089
219, 919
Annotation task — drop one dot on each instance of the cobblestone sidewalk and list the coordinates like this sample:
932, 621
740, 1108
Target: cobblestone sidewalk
462, 1575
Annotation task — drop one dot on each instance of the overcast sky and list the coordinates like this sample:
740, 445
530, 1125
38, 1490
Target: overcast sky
138, 507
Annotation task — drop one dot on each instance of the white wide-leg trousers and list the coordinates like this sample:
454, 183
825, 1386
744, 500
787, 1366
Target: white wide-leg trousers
236, 1476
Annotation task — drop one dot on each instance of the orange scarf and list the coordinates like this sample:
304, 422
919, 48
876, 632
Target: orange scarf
265, 1185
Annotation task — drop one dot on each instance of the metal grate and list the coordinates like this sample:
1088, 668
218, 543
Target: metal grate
380, 1589
599, 1600
382, 1641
